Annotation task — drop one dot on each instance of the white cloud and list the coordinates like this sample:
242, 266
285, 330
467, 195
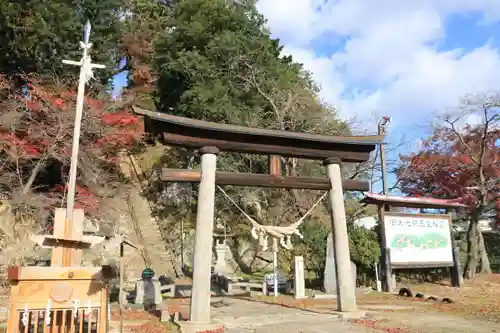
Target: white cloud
389, 63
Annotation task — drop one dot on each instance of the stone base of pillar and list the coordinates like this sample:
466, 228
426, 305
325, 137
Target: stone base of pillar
300, 297
353, 315
325, 296
193, 327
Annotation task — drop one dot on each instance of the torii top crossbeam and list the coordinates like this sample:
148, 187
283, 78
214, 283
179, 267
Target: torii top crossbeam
179, 131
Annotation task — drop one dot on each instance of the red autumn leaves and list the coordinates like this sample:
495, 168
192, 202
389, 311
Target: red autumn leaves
126, 128
447, 167
36, 124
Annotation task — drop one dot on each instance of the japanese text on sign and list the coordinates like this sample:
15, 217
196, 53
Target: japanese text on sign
418, 239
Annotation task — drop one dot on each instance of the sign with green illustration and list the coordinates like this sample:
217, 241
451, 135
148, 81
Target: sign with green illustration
427, 241
418, 239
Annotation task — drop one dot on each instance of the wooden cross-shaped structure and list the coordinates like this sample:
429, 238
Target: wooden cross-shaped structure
67, 240
86, 67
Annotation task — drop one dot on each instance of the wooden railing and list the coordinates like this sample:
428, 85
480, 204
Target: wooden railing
58, 300
60, 321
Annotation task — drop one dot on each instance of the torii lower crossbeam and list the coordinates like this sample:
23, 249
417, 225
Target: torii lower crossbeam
263, 180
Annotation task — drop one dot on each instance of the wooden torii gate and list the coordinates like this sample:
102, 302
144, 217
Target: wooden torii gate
210, 138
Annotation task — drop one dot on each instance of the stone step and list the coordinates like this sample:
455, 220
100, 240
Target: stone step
158, 258
152, 239
151, 232
158, 251
155, 242
158, 248
156, 237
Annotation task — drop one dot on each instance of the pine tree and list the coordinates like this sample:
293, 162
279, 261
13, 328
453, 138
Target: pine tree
146, 21
207, 55
37, 35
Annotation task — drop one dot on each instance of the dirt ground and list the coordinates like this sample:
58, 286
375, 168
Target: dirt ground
474, 308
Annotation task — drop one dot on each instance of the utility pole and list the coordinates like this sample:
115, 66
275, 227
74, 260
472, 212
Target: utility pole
86, 74
388, 277
382, 130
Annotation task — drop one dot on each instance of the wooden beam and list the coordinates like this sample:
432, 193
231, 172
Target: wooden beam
168, 120
250, 146
16, 273
192, 133
262, 180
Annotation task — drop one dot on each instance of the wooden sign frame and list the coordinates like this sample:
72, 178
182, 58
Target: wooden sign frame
384, 203
421, 264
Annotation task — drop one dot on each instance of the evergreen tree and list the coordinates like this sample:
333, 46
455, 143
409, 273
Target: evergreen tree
146, 21
207, 57
38, 34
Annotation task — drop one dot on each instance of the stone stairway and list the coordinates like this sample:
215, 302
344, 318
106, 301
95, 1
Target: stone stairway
144, 229
148, 235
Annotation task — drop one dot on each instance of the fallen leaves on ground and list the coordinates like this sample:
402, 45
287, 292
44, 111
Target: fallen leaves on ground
379, 325
219, 330
289, 301
153, 327
132, 315
478, 298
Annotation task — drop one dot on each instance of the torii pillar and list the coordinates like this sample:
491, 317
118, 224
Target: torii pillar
199, 316
346, 290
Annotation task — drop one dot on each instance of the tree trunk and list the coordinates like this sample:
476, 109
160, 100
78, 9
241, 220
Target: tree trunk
34, 174
472, 250
483, 254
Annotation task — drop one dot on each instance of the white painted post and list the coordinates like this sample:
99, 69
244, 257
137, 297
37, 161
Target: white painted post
85, 75
275, 264
379, 284
298, 276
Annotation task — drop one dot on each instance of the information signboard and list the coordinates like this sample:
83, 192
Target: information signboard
422, 240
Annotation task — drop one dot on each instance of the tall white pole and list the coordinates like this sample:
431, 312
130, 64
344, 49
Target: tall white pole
377, 280
275, 266
85, 74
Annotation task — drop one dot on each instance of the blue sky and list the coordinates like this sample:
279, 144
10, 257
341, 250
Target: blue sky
412, 60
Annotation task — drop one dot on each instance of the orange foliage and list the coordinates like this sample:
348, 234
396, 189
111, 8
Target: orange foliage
447, 167
38, 122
